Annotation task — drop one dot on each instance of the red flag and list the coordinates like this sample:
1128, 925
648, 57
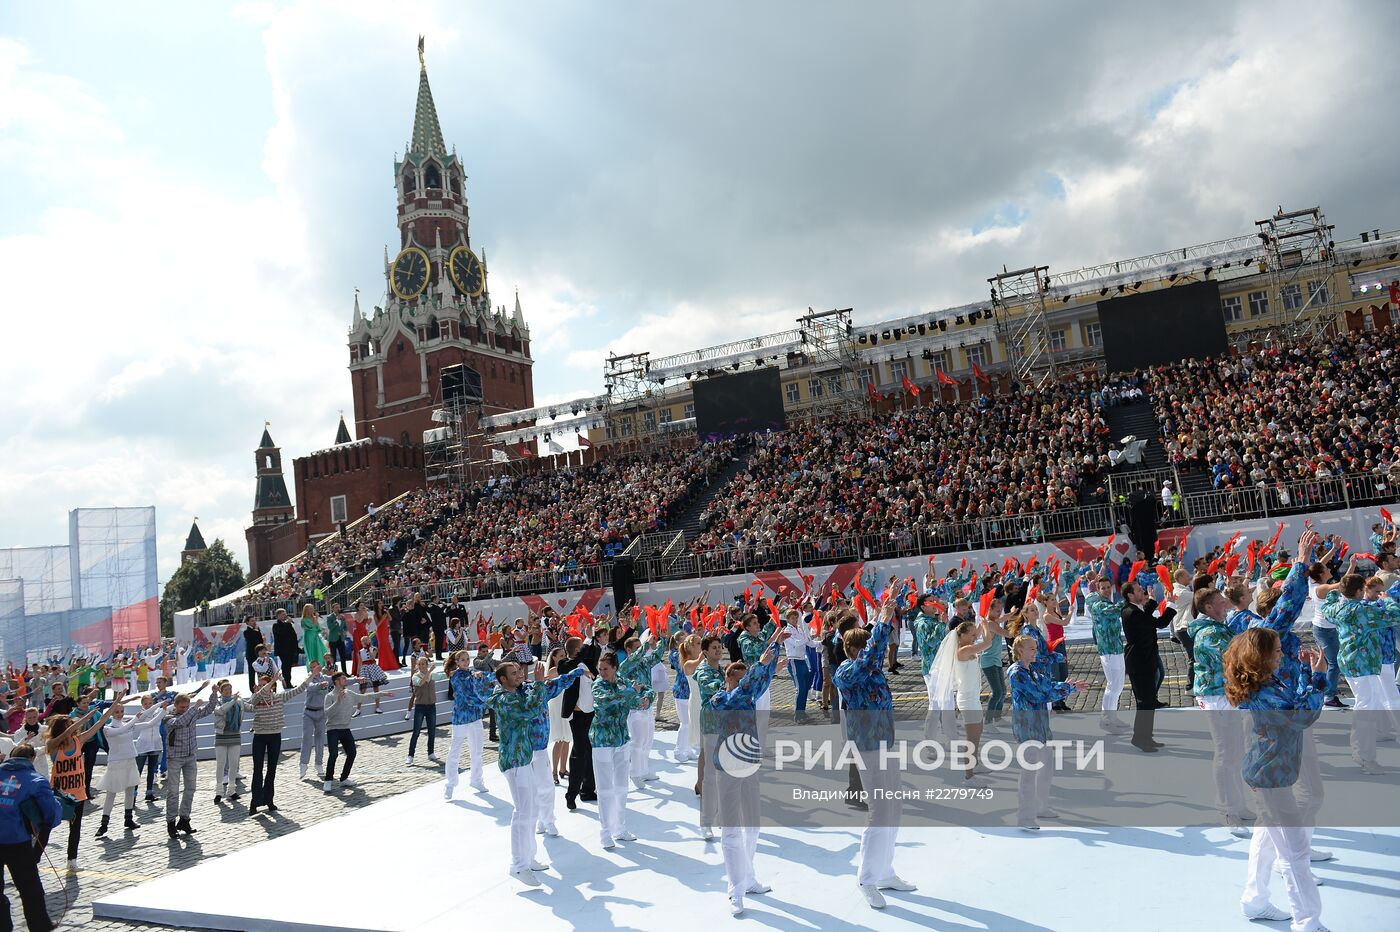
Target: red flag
1385, 514
1230, 544
1367, 556
1137, 567
1034, 591
1031, 565
1342, 551
1006, 566
1214, 565
584, 441
1231, 564
869, 599
1165, 575
1106, 544
909, 386
980, 375
1273, 541
695, 617
525, 449
870, 391
964, 563
947, 379
971, 584
1251, 555
984, 604
817, 623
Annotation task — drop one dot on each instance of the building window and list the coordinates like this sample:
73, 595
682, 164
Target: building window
793, 393
1093, 333
814, 388
338, 511
867, 378
1258, 303
1320, 296
627, 427
649, 421
833, 384
976, 356
1231, 309
610, 430
689, 410
1292, 295
899, 370
665, 415
1058, 340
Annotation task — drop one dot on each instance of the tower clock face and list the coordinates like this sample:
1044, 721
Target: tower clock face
465, 269
410, 274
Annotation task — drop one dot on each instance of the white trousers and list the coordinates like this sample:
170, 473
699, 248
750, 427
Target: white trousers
313, 737
182, 674
642, 727
683, 733
1113, 682
521, 781
226, 757
1227, 733
882, 830
475, 736
1391, 693
738, 834
938, 721
1369, 709
1033, 781
544, 789
610, 777
1281, 835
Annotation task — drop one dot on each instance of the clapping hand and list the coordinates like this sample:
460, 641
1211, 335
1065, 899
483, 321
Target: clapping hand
1306, 542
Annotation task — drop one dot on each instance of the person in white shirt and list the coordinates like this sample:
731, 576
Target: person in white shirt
799, 640
121, 775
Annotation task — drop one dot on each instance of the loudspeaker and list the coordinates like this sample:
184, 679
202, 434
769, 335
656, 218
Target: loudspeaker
460, 383
623, 587
1142, 521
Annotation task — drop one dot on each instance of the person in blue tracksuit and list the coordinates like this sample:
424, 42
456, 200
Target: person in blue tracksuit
28, 812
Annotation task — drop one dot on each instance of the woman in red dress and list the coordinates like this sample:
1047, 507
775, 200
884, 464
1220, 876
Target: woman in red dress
387, 660
360, 626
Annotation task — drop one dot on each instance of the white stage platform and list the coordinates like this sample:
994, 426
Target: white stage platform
418, 862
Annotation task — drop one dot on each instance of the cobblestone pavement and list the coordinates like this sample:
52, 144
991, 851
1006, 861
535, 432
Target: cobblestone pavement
121, 859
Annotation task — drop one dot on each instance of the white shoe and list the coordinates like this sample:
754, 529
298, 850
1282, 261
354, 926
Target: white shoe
73, 866
608, 843
1270, 913
1047, 814
302, 773
1245, 815
736, 906
759, 888
538, 865
434, 759
405, 716
328, 786
707, 833
551, 830
1371, 767
872, 895
447, 791
480, 788
896, 883
1029, 827
1320, 854
348, 781
409, 761
650, 777
639, 783
625, 835
539, 829
525, 876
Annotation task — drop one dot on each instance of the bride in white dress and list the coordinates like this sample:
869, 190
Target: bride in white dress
957, 680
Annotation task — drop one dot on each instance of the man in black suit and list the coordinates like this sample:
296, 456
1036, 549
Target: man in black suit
578, 711
252, 640
437, 624
1140, 626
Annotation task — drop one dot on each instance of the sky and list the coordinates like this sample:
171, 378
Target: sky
191, 193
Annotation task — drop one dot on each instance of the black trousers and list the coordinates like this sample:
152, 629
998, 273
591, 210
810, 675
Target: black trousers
21, 862
337, 738
581, 756
75, 828
337, 648
287, 661
252, 677
266, 750
1144, 683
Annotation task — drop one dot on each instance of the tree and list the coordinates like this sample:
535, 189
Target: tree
213, 573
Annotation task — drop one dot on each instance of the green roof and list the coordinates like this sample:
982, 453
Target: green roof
427, 134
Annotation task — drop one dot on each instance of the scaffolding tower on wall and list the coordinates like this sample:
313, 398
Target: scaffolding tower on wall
1301, 260
1018, 299
828, 342
447, 456
630, 395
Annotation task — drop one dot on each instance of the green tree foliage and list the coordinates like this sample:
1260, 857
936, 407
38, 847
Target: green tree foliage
213, 573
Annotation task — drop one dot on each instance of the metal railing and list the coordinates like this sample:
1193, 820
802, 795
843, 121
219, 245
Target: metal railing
1293, 497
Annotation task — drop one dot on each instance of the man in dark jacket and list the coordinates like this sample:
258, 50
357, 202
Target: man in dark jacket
28, 812
578, 710
1140, 626
252, 640
285, 645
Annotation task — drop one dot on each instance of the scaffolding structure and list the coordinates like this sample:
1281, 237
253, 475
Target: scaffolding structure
448, 450
828, 342
628, 387
1018, 300
1301, 259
